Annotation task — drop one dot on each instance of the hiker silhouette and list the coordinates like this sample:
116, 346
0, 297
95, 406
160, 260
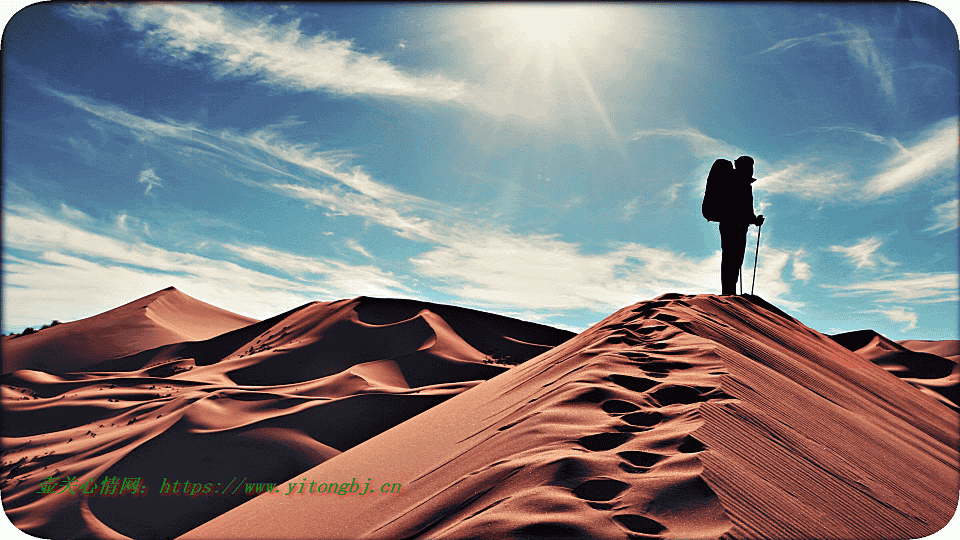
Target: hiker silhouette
732, 199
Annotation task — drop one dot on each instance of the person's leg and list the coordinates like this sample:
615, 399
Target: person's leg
733, 242
728, 264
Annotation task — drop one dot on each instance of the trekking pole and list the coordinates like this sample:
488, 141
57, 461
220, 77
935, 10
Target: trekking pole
755, 255
741, 280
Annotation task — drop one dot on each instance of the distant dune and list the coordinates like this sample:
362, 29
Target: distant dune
261, 400
164, 317
681, 417
931, 366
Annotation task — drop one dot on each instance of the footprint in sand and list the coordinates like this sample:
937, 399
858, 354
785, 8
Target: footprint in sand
643, 419
615, 406
650, 306
600, 489
639, 524
674, 394
639, 462
603, 441
636, 384
644, 330
663, 368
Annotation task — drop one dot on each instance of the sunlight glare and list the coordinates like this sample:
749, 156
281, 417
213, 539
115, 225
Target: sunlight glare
546, 25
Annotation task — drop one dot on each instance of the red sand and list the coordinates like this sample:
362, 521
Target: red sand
264, 401
931, 366
681, 417
167, 316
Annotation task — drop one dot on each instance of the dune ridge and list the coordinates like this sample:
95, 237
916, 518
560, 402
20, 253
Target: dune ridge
681, 417
930, 366
164, 317
263, 402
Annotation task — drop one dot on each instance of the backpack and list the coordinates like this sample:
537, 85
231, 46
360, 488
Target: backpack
715, 204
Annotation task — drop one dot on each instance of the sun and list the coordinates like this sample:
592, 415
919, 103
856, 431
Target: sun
545, 25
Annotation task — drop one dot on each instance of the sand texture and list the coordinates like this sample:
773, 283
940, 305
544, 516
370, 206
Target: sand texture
264, 401
682, 417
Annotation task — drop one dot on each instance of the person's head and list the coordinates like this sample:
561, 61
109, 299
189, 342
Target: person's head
745, 166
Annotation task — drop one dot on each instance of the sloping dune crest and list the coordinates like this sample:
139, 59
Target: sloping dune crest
931, 366
164, 317
682, 417
258, 403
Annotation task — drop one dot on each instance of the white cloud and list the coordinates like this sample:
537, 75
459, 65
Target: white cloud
492, 266
341, 278
946, 217
355, 193
672, 192
67, 270
801, 269
150, 178
910, 287
278, 55
899, 314
142, 127
860, 46
545, 272
630, 209
889, 142
73, 214
864, 254
935, 153
804, 181
354, 245
339, 202
701, 145
96, 13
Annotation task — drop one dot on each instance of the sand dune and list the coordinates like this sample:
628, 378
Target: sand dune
164, 317
681, 417
261, 402
931, 366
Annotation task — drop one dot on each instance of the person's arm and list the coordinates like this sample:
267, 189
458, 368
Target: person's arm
755, 219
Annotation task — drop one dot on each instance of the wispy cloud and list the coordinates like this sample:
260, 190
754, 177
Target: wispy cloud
946, 217
672, 192
546, 272
404, 224
265, 150
150, 178
63, 267
354, 245
348, 280
280, 55
864, 253
806, 181
96, 13
73, 214
909, 287
859, 44
801, 269
889, 142
701, 145
899, 314
935, 153
490, 265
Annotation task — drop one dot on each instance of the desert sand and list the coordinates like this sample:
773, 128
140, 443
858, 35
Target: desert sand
680, 417
162, 318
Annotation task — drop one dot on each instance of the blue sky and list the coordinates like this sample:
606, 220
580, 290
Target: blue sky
541, 162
